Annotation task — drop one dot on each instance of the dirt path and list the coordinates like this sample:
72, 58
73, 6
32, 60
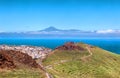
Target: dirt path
89, 51
46, 73
84, 58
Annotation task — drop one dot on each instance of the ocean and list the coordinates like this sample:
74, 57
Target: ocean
112, 45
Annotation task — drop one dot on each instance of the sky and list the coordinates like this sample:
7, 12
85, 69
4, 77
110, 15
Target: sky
33, 15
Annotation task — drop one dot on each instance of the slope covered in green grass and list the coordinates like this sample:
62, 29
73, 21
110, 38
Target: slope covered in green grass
83, 64
22, 73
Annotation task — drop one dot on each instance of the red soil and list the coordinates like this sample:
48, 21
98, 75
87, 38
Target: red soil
8, 59
70, 46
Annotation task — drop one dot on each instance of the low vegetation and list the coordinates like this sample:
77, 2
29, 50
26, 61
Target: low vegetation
68, 63
22, 73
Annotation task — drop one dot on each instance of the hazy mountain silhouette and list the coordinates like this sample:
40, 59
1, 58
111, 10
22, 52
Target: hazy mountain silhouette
51, 28
55, 32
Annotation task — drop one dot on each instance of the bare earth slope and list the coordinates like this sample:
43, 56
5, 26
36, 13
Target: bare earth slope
19, 65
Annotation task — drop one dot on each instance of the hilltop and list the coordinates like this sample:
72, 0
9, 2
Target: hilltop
71, 60
68, 61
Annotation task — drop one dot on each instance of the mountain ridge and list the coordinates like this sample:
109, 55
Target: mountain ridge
55, 32
93, 62
52, 28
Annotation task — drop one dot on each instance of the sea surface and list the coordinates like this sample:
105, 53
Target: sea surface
112, 45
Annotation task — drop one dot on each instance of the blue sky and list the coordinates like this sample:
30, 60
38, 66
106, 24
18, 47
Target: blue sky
32, 15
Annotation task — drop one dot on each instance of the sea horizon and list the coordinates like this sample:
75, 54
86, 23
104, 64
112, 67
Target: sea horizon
109, 44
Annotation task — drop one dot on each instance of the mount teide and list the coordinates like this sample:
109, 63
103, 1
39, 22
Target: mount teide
51, 32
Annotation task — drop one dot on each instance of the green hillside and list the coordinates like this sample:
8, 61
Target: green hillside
22, 73
93, 62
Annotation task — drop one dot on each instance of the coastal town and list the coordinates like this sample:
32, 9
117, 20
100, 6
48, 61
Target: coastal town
33, 51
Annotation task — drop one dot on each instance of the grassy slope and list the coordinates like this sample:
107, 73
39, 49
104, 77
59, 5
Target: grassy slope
102, 64
22, 73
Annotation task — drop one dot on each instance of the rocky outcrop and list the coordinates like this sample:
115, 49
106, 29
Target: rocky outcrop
70, 46
6, 61
11, 59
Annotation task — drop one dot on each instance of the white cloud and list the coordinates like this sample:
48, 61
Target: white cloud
46, 32
108, 31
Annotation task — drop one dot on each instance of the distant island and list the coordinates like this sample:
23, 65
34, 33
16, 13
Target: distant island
69, 61
59, 38
52, 31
